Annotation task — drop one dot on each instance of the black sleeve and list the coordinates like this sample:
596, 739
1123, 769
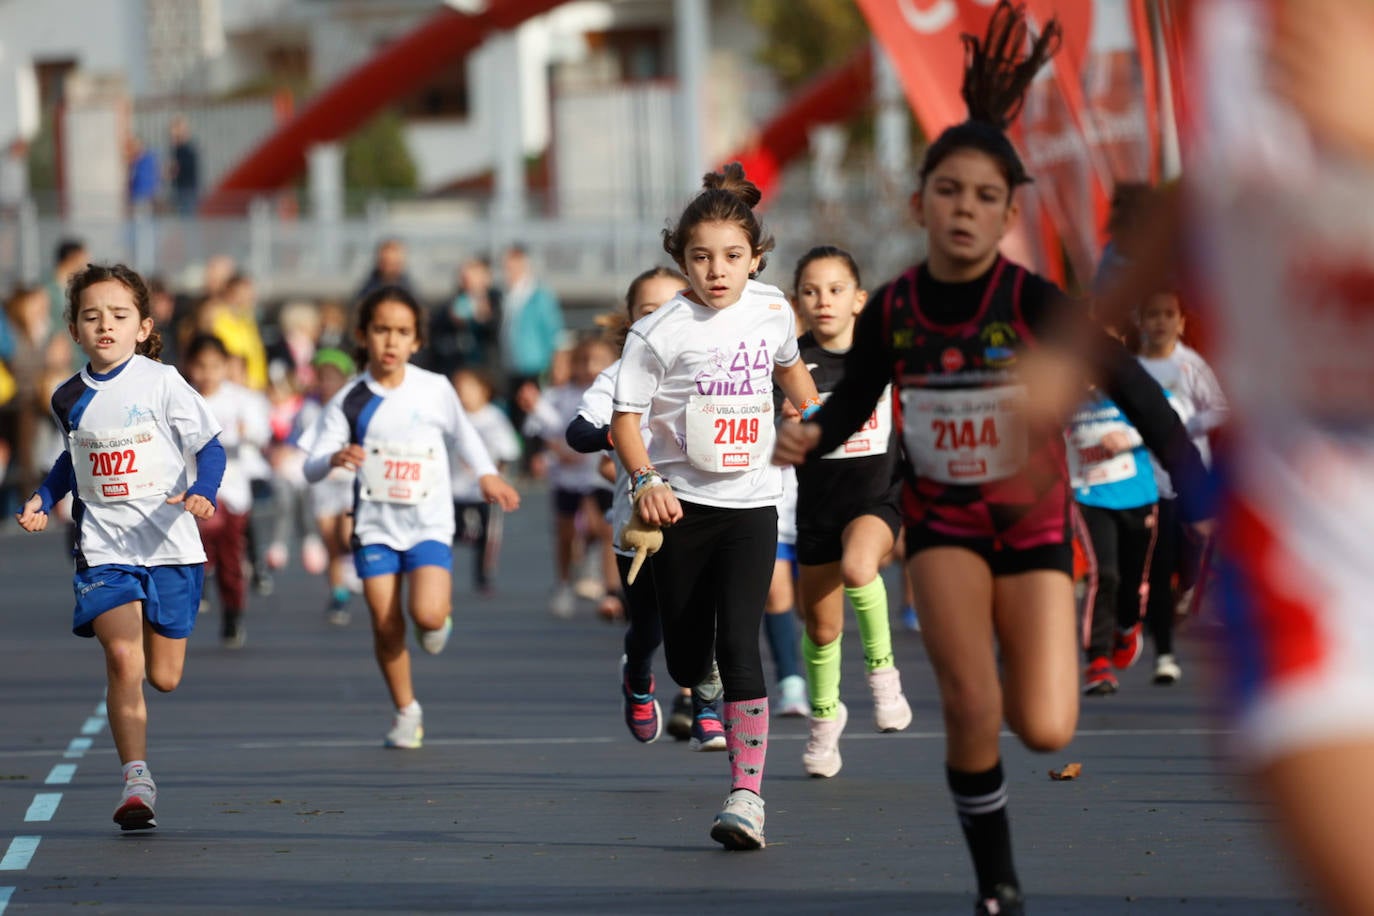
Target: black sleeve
1143, 402
584, 437
867, 370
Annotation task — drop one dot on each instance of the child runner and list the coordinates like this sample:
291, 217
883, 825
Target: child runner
477, 521
779, 614
396, 426
580, 493
702, 369
589, 432
1194, 392
1114, 485
331, 499
133, 432
986, 500
1279, 197
243, 428
847, 520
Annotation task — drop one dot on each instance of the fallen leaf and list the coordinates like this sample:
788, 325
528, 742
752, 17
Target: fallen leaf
1070, 771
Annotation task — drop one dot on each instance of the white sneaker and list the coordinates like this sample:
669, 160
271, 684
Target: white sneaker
792, 699
739, 825
563, 602
433, 641
135, 811
314, 557
891, 711
1167, 670
591, 589
277, 555
408, 730
822, 754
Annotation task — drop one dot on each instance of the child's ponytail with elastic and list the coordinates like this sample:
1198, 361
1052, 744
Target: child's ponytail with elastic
997, 72
726, 197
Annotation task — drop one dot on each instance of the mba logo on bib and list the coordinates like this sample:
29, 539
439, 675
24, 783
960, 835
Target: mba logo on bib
110, 490
735, 460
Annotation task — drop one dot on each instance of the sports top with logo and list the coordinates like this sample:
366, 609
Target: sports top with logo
950, 350
861, 474
404, 492
704, 377
133, 436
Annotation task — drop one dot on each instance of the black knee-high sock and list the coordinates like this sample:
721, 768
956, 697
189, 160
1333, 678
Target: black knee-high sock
981, 800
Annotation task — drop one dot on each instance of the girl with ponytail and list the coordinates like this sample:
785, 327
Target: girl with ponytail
986, 499
699, 372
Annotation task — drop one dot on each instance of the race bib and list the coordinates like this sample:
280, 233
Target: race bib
728, 433
966, 436
873, 437
398, 473
1091, 465
116, 465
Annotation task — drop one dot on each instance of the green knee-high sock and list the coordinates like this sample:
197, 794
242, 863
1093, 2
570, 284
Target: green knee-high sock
823, 676
870, 606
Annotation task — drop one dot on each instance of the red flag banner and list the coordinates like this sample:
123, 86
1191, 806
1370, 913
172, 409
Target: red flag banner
1087, 121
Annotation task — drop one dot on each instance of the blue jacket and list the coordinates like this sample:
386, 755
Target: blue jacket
529, 333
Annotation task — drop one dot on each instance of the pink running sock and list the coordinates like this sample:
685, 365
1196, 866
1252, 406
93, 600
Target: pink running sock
746, 737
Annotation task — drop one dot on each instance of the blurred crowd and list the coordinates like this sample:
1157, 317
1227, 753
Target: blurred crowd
501, 324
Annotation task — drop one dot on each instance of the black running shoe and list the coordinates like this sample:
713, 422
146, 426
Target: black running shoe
680, 719
1005, 901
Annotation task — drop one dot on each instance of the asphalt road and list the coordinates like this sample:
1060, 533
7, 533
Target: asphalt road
275, 794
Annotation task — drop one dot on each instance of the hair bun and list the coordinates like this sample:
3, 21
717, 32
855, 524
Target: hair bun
731, 178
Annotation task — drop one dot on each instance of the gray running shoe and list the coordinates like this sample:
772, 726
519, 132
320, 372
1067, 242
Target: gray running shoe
739, 825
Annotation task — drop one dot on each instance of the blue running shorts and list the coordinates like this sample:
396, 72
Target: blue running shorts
170, 595
371, 560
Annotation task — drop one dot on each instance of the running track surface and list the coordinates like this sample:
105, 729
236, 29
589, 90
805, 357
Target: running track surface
529, 795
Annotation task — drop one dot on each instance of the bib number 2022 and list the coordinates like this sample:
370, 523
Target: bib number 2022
113, 463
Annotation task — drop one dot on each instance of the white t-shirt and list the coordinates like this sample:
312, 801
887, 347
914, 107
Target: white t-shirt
497, 434
597, 407
1196, 397
405, 490
557, 408
704, 378
334, 494
245, 431
133, 439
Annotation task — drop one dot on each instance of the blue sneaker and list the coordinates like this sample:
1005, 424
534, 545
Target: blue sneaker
910, 622
643, 717
708, 732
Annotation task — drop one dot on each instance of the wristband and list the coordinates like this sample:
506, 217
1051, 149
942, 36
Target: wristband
809, 408
646, 481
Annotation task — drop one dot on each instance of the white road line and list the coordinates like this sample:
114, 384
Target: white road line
61, 774
5, 894
93, 725
603, 739
43, 807
20, 852
78, 747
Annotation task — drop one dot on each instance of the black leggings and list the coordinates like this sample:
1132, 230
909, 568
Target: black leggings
711, 579
644, 634
1176, 552
1119, 545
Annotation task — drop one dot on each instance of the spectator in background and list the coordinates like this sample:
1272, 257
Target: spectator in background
461, 336
145, 182
388, 268
531, 324
26, 311
233, 318
162, 306
69, 256
184, 169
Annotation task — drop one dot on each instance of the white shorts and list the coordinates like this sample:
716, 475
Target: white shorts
332, 496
